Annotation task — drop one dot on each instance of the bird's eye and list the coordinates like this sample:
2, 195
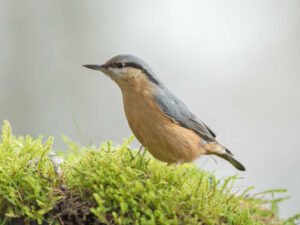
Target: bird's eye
119, 65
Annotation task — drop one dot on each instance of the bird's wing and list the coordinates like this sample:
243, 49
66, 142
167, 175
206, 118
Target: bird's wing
179, 113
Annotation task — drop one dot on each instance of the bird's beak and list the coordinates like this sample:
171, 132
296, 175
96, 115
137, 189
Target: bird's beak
95, 67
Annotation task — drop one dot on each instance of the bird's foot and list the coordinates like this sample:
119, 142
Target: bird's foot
178, 163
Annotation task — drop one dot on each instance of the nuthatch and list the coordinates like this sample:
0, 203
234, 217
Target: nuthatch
158, 119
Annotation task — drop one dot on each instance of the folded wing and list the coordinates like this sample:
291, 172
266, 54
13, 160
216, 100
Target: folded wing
179, 113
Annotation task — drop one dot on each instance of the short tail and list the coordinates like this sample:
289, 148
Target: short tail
227, 155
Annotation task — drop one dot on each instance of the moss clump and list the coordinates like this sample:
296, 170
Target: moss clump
141, 190
27, 185
109, 185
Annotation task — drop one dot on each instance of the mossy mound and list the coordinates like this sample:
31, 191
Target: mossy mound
110, 185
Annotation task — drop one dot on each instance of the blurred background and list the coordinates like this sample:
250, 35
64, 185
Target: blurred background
236, 64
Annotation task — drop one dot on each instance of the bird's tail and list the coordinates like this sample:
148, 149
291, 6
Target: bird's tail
227, 155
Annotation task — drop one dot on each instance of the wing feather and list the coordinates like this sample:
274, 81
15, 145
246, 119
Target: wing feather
179, 113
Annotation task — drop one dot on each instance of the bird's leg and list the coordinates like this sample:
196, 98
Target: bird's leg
140, 149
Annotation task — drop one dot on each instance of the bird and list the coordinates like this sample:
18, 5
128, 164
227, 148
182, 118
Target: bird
158, 119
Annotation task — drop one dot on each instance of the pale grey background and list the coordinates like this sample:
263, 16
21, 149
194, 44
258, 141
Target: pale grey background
235, 63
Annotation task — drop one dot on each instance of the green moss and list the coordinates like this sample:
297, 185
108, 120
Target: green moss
110, 185
27, 185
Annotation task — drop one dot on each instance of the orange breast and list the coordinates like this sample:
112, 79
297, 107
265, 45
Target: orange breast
166, 140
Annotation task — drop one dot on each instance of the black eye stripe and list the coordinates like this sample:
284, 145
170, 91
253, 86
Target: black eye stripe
126, 64
137, 66
134, 65
116, 65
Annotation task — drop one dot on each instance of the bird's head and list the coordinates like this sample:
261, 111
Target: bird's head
125, 68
